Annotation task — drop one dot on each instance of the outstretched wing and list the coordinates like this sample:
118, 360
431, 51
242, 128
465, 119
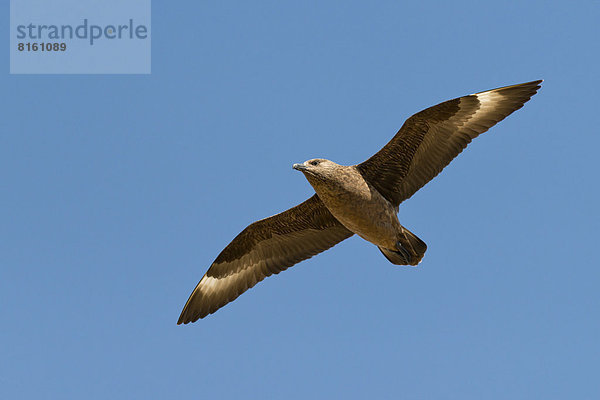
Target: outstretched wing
430, 139
265, 247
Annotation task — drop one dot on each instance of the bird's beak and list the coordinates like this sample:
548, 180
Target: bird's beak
299, 167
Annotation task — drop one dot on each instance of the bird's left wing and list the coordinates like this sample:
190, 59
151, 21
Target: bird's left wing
265, 247
430, 139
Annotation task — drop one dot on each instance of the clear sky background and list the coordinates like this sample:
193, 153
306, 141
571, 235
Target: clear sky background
117, 192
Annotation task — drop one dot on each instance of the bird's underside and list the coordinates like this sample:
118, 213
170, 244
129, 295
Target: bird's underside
361, 199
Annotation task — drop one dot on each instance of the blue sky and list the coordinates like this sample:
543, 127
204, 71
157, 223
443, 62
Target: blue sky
119, 191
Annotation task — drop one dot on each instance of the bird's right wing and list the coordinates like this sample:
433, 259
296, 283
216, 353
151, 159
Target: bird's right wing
265, 247
430, 139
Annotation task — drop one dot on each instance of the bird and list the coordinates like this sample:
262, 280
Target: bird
361, 199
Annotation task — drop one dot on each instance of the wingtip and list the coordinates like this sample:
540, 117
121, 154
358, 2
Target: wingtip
190, 314
185, 321
536, 84
185, 318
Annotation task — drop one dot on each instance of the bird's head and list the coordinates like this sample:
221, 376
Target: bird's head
317, 169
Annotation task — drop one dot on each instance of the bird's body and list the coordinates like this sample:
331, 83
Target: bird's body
354, 202
361, 199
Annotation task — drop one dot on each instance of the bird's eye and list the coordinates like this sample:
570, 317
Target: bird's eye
315, 163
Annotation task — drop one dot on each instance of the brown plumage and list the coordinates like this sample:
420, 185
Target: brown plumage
361, 199
265, 247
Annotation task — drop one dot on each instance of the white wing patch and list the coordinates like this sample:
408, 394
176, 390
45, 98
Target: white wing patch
214, 286
208, 282
488, 104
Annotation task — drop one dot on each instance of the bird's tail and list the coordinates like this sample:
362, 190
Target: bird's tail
409, 249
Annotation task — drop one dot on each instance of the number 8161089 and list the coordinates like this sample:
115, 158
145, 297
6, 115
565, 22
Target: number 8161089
42, 46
